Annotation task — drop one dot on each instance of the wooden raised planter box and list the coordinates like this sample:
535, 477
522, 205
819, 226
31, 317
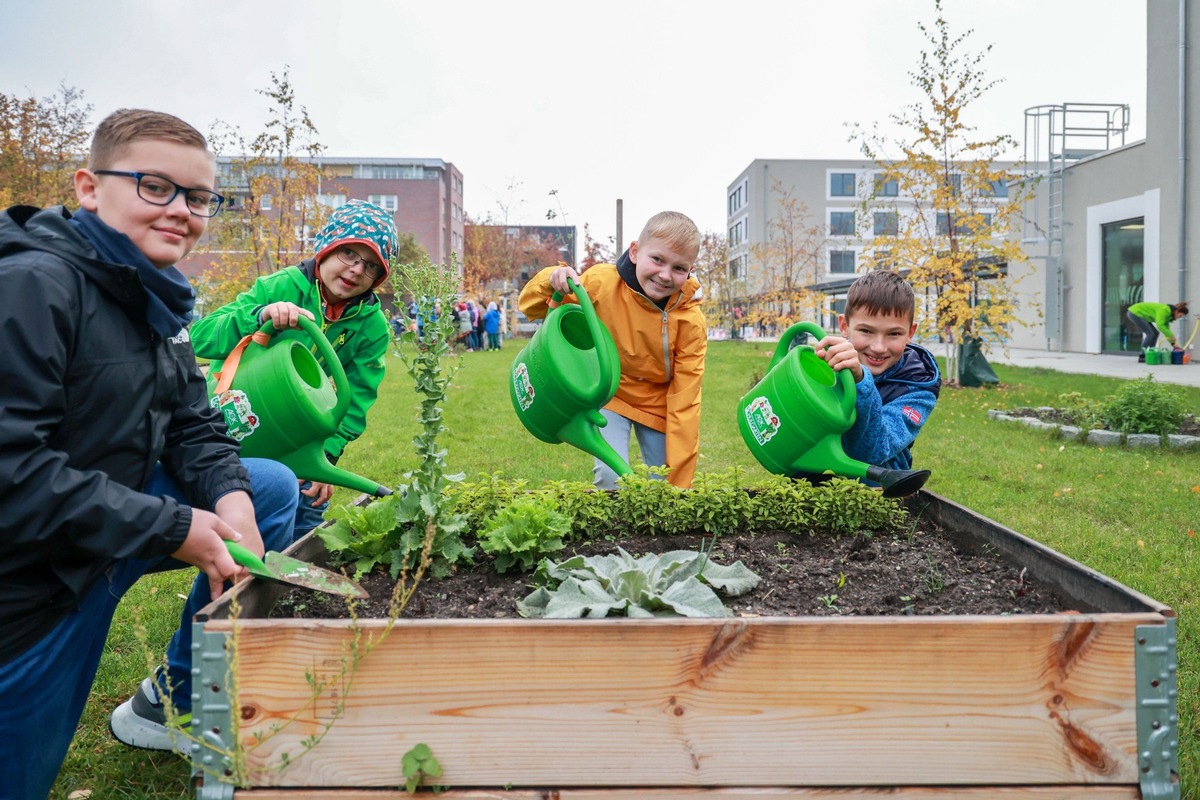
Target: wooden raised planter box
1015, 707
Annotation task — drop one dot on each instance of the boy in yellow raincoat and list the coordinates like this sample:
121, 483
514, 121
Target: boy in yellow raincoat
650, 303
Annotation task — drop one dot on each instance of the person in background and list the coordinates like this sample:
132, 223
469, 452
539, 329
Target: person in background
1155, 318
491, 325
336, 288
478, 329
113, 464
650, 303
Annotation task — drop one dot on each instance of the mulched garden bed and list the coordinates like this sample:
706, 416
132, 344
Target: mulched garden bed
918, 572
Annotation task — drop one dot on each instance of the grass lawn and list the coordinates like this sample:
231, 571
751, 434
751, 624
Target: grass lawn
1133, 515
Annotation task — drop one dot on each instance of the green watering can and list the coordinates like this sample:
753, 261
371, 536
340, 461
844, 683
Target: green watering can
565, 375
794, 418
278, 402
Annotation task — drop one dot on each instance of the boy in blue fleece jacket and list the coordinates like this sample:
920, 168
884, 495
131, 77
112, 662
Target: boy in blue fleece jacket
898, 388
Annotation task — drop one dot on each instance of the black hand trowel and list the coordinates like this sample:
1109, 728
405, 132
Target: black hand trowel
285, 569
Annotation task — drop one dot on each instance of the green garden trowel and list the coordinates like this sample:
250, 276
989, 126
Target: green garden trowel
285, 569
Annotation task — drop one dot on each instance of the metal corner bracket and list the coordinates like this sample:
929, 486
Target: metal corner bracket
1155, 669
213, 740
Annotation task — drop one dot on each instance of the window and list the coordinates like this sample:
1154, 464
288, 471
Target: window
737, 198
841, 223
962, 223
882, 259
265, 203
387, 202
738, 268
955, 184
887, 223
396, 172
841, 184
738, 232
996, 189
332, 200
841, 261
886, 187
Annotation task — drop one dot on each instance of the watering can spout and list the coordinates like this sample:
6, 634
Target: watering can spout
309, 462
898, 482
583, 432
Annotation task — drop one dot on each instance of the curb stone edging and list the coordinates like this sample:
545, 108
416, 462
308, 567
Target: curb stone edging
1099, 437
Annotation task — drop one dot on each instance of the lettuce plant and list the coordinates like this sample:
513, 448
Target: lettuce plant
522, 533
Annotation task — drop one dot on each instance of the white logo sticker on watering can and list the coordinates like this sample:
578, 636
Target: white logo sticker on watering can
240, 418
762, 420
523, 386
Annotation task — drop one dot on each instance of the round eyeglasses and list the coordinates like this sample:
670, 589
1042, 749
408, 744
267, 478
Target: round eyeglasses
348, 257
160, 191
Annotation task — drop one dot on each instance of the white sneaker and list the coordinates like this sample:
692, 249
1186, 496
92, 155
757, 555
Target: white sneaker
141, 721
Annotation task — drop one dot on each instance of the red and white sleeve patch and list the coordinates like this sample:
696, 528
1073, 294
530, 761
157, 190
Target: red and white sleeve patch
913, 415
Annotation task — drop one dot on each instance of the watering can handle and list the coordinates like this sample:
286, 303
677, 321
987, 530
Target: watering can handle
337, 372
813, 329
595, 327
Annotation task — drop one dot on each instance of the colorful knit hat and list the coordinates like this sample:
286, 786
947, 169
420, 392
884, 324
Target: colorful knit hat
360, 222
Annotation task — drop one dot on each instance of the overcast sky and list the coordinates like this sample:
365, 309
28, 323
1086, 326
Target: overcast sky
661, 104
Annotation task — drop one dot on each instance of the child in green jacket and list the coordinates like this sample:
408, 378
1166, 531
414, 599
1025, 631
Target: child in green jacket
337, 289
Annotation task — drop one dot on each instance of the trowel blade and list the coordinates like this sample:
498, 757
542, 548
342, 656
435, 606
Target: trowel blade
301, 573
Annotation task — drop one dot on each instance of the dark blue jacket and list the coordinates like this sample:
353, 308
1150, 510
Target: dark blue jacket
892, 408
91, 399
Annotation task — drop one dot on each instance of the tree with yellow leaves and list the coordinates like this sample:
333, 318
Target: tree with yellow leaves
721, 289
42, 142
789, 259
951, 205
273, 182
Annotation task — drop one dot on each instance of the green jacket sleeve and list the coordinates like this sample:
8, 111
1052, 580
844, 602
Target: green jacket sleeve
365, 366
215, 335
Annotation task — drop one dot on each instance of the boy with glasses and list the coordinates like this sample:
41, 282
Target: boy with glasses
112, 463
336, 288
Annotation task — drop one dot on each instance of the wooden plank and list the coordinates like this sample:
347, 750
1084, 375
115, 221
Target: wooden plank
869, 701
749, 793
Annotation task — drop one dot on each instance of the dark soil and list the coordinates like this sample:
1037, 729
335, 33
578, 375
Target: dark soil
1189, 427
911, 573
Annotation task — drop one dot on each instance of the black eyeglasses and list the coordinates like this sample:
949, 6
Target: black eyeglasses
160, 191
350, 258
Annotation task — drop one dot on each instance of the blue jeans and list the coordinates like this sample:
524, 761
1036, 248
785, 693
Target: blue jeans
653, 444
43, 691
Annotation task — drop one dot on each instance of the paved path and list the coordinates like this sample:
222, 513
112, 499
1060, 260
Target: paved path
1107, 365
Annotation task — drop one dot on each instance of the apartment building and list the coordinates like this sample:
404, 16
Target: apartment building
846, 206
425, 195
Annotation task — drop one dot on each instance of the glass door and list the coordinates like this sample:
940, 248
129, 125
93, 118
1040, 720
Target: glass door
1121, 283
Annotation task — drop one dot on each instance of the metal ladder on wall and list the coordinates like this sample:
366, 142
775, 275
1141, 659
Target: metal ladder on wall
1057, 136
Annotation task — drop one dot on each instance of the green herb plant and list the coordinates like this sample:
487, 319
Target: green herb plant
1144, 406
414, 530
417, 521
